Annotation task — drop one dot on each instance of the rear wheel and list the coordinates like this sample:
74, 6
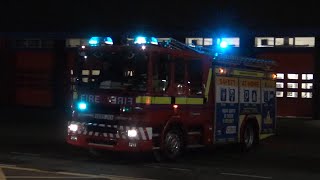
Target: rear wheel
249, 137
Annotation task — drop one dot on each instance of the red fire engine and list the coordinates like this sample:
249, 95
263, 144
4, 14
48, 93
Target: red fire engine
147, 97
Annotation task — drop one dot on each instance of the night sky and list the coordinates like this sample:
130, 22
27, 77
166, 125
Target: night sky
196, 15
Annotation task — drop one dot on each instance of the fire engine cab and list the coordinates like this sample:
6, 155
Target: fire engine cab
149, 97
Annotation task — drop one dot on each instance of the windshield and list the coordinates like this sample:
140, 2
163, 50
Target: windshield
126, 70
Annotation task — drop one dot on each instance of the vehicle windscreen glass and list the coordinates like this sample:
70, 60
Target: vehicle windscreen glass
123, 70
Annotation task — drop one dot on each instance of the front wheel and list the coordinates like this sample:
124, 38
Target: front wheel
173, 144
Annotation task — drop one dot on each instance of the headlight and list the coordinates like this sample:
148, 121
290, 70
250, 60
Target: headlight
132, 133
73, 127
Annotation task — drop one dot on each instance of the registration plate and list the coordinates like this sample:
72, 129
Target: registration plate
104, 116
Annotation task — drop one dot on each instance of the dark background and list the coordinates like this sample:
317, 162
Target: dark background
155, 15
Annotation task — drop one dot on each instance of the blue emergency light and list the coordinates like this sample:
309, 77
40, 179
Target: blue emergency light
140, 40
94, 41
145, 40
82, 106
222, 44
97, 41
108, 40
154, 41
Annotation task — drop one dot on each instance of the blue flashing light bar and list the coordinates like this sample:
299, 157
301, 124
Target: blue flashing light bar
108, 40
97, 41
145, 40
154, 41
140, 40
94, 41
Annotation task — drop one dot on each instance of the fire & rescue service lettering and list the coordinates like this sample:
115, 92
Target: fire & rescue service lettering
106, 99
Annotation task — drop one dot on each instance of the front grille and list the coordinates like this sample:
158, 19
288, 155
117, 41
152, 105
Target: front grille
102, 141
105, 109
99, 129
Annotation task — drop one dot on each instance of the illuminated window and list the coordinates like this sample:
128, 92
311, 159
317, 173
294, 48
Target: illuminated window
279, 41
306, 94
96, 72
207, 42
292, 94
163, 39
194, 41
85, 72
234, 41
279, 94
307, 76
280, 85
306, 85
286, 41
280, 76
264, 41
293, 76
304, 41
85, 80
76, 42
292, 85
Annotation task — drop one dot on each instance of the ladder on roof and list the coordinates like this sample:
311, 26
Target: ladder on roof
221, 58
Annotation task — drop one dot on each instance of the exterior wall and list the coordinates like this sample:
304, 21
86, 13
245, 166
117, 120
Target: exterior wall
34, 77
293, 63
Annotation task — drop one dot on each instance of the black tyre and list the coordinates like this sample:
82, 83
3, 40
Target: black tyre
249, 137
173, 144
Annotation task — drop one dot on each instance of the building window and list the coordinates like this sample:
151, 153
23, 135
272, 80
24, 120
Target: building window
194, 41
279, 94
95, 72
279, 41
306, 94
284, 41
33, 43
233, 41
306, 85
85, 72
280, 85
293, 76
307, 76
280, 76
48, 43
162, 39
304, 41
207, 41
292, 94
76, 42
264, 41
292, 85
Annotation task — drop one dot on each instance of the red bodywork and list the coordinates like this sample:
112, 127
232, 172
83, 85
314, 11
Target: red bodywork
152, 112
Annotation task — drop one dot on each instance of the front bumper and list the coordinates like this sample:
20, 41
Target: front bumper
113, 142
